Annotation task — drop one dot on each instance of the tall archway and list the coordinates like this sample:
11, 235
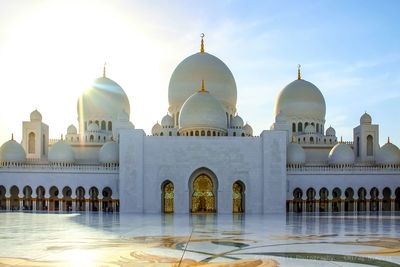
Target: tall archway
297, 200
310, 202
94, 199
67, 200
203, 185
40, 198
238, 197
397, 199
3, 203
167, 197
336, 199
386, 201
107, 200
31, 142
54, 202
349, 201
362, 201
27, 201
80, 199
14, 200
323, 200
370, 145
374, 200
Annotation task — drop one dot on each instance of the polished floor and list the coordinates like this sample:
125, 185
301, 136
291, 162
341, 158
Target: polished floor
34, 239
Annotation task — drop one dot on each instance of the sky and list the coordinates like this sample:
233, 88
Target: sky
50, 51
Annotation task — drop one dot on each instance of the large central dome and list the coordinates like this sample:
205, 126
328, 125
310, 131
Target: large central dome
197, 67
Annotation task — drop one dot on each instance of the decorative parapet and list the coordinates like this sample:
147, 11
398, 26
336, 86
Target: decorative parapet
346, 170
59, 168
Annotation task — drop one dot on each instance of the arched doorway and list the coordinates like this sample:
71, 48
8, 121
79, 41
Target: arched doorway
3, 203
310, 202
80, 199
362, 201
107, 200
374, 200
297, 200
14, 199
203, 194
167, 197
386, 201
349, 201
336, 199
27, 201
67, 200
323, 200
94, 199
238, 199
40, 198
54, 202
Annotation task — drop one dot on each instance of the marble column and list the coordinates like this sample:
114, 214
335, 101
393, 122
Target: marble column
368, 206
8, 202
317, 207
21, 201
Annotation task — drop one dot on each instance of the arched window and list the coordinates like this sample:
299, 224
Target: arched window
293, 127
31, 143
170, 133
91, 138
358, 146
305, 125
197, 133
312, 140
203, 133
97, 122
103, 125
161, 134
208, 133
299, 127
167, 197
110, 126
370, 145
234, 133
317, 128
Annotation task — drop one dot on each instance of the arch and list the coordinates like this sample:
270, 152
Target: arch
310, 202
203, 133
40, 198
370, 145
67, 199
103, 125
167, 196
14, 199
234, 133
107, 200
208, 133
97, 122
80, 198
3, 203
109, 126
336, 199
91, 138
386, 201
374, 200
31, 142
27, 203
196, 133
238, 197
54, 202
349, 200
293, 127
203, 188
323, 200
362, 201
299, 127
94, 199
358, 146
297, 200
397, 199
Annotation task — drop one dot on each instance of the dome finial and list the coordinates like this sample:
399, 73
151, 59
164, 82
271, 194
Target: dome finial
388, 140
341, 140
298, 72
203, 88
62, 137
202, 43
12, 136
104, 69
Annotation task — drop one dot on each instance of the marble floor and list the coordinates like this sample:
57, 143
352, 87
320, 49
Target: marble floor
34, 239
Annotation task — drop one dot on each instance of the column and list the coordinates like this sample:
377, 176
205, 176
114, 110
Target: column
21, 201
355, 201
8, 202
87, 203
303, 205
368, 206
393, 203
46, 201
329, 205
342, 205
100, 204
290, 206
317, 206
33, 201
73, 199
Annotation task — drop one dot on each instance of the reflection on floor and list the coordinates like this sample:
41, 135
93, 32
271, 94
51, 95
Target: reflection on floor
198, 240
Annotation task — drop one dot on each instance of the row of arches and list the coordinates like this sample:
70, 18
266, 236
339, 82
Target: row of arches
350, 200
203, 195
58, 200
298, 128
103, 125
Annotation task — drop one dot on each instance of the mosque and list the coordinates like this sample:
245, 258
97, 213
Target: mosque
202, 158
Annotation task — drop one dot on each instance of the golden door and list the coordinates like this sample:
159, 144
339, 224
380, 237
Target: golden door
168, 195
203, 199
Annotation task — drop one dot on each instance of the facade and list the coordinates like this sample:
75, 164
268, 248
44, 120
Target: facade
202, 158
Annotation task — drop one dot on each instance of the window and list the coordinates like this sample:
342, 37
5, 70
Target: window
103, 125
299, 127
358, 146
293, 127
31, 143
234, 133
91, 138
110, 126
370, 145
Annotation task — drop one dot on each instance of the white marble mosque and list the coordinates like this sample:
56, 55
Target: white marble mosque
202, 158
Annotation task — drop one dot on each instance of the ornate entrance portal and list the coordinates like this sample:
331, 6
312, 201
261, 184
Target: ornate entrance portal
203, 199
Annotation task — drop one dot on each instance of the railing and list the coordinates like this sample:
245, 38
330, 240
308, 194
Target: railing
343, 169
64, 167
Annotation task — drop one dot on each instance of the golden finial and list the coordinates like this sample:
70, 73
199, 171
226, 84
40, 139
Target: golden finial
202, 43
62, 137
104, 69
341, 139
203, 88
12, 136
388, 140
298, 72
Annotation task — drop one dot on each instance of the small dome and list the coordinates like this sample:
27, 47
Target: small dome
61, 152
248, 130
36, 116
341, 154
72, 129
237, 122
330, 132
167, 121
388, 154
93, 127
202, 66
156, 129
310, 129
302, 100
11, 151
365, 119
295, 154
109, 153
202, 110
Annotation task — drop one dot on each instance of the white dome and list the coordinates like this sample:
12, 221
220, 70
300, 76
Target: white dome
202, 110
295, 154
36, 116
61, 152
11, 151
248, 130
93, 127
167, 121
310, 129
330, 132
302, 100
388, 154
202, 66
341, 154
365, 119
156, 129
72, 129
104, 99
237, 122
109, 153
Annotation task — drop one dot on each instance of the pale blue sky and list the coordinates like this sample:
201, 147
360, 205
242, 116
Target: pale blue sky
50, 50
